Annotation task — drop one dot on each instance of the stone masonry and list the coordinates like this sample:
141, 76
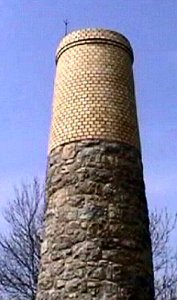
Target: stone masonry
97, 244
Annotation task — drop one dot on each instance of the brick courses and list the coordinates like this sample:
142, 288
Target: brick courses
97, 243
94, 90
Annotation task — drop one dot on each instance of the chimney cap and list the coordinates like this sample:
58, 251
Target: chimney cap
93, 35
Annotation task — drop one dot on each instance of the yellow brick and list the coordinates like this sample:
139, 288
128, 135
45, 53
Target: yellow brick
94, 92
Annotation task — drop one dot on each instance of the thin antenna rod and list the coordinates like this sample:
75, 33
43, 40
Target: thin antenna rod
66, 26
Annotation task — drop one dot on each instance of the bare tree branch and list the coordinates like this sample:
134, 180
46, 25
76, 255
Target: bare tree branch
20, 248
162, 226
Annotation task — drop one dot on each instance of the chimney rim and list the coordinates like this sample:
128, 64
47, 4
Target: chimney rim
93, 35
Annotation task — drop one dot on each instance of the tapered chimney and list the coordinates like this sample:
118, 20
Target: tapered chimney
97, 243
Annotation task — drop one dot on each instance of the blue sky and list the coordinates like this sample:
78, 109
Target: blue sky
29, 34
